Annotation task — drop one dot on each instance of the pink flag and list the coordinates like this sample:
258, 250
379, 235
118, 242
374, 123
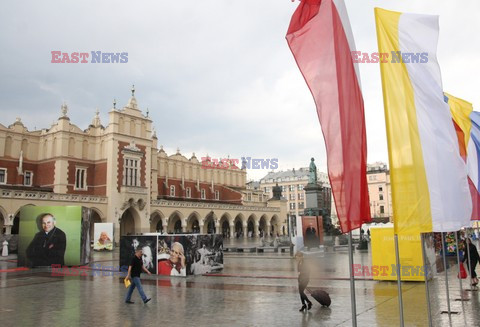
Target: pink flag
321, 41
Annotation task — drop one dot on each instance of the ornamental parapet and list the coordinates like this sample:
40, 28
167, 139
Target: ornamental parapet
48, 196
211, 206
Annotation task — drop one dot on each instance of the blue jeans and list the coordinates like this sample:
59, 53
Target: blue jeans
138, 284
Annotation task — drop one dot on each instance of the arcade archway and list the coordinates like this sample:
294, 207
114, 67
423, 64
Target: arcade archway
193, 223
209, 224
156, 222
94, 218
128, 222
175, 223
262, 226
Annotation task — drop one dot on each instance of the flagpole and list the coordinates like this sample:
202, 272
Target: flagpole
459, 263
446, 273
399, 282
426, 270
469, 262
352, 280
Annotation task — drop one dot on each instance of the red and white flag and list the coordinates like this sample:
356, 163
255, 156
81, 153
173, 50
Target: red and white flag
321, 41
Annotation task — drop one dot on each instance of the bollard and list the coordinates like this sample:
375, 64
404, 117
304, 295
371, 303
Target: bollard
5, 249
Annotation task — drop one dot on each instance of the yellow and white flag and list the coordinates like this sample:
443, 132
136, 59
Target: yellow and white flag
428, 176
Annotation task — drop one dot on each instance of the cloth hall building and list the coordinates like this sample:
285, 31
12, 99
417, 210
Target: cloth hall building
120, 173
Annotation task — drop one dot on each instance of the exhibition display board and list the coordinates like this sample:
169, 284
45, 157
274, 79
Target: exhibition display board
54, 235
175, 255
103, 237
411, 258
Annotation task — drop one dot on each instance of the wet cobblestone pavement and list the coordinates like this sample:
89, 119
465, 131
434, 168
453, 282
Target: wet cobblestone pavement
253, 290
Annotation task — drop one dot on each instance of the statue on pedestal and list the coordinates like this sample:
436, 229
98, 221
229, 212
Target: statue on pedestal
277, 192
5, 249
312, 177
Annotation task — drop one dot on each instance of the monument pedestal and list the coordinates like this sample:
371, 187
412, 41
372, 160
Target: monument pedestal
318, 203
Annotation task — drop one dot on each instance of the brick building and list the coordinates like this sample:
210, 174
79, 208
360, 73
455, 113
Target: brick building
120, 173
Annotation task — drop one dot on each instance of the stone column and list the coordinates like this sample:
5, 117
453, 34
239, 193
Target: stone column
256, 232
245, 230
184, 226
116, 225
232, 230
268, 229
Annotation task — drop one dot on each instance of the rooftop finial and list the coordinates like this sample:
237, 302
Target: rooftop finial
147, 112
96, 119
114, 103
133, 90
64, 109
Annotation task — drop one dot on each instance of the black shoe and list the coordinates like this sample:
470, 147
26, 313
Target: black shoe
146, 301
129, 302
303, 308
309, 305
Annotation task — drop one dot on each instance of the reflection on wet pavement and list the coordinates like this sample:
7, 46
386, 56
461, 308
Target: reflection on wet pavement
253, 290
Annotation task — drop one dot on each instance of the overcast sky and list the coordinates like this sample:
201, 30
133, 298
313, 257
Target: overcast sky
216, 75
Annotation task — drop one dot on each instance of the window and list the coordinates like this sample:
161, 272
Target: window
249, 196
284, 188
292, 206
202, 194
217, 195
172, 190
380, 196
300, 187
3, 176
292, 196
301, 196
189, 192
372, 177
80, 178
301, 205
131, 176
380, 189
291, 188
382, 209
27, 178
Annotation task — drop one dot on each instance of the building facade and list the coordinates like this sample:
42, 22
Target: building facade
120, 173
380, 192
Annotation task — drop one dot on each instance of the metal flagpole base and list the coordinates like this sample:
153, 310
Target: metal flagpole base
352, 281
446, 276
399, 282
426, 270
